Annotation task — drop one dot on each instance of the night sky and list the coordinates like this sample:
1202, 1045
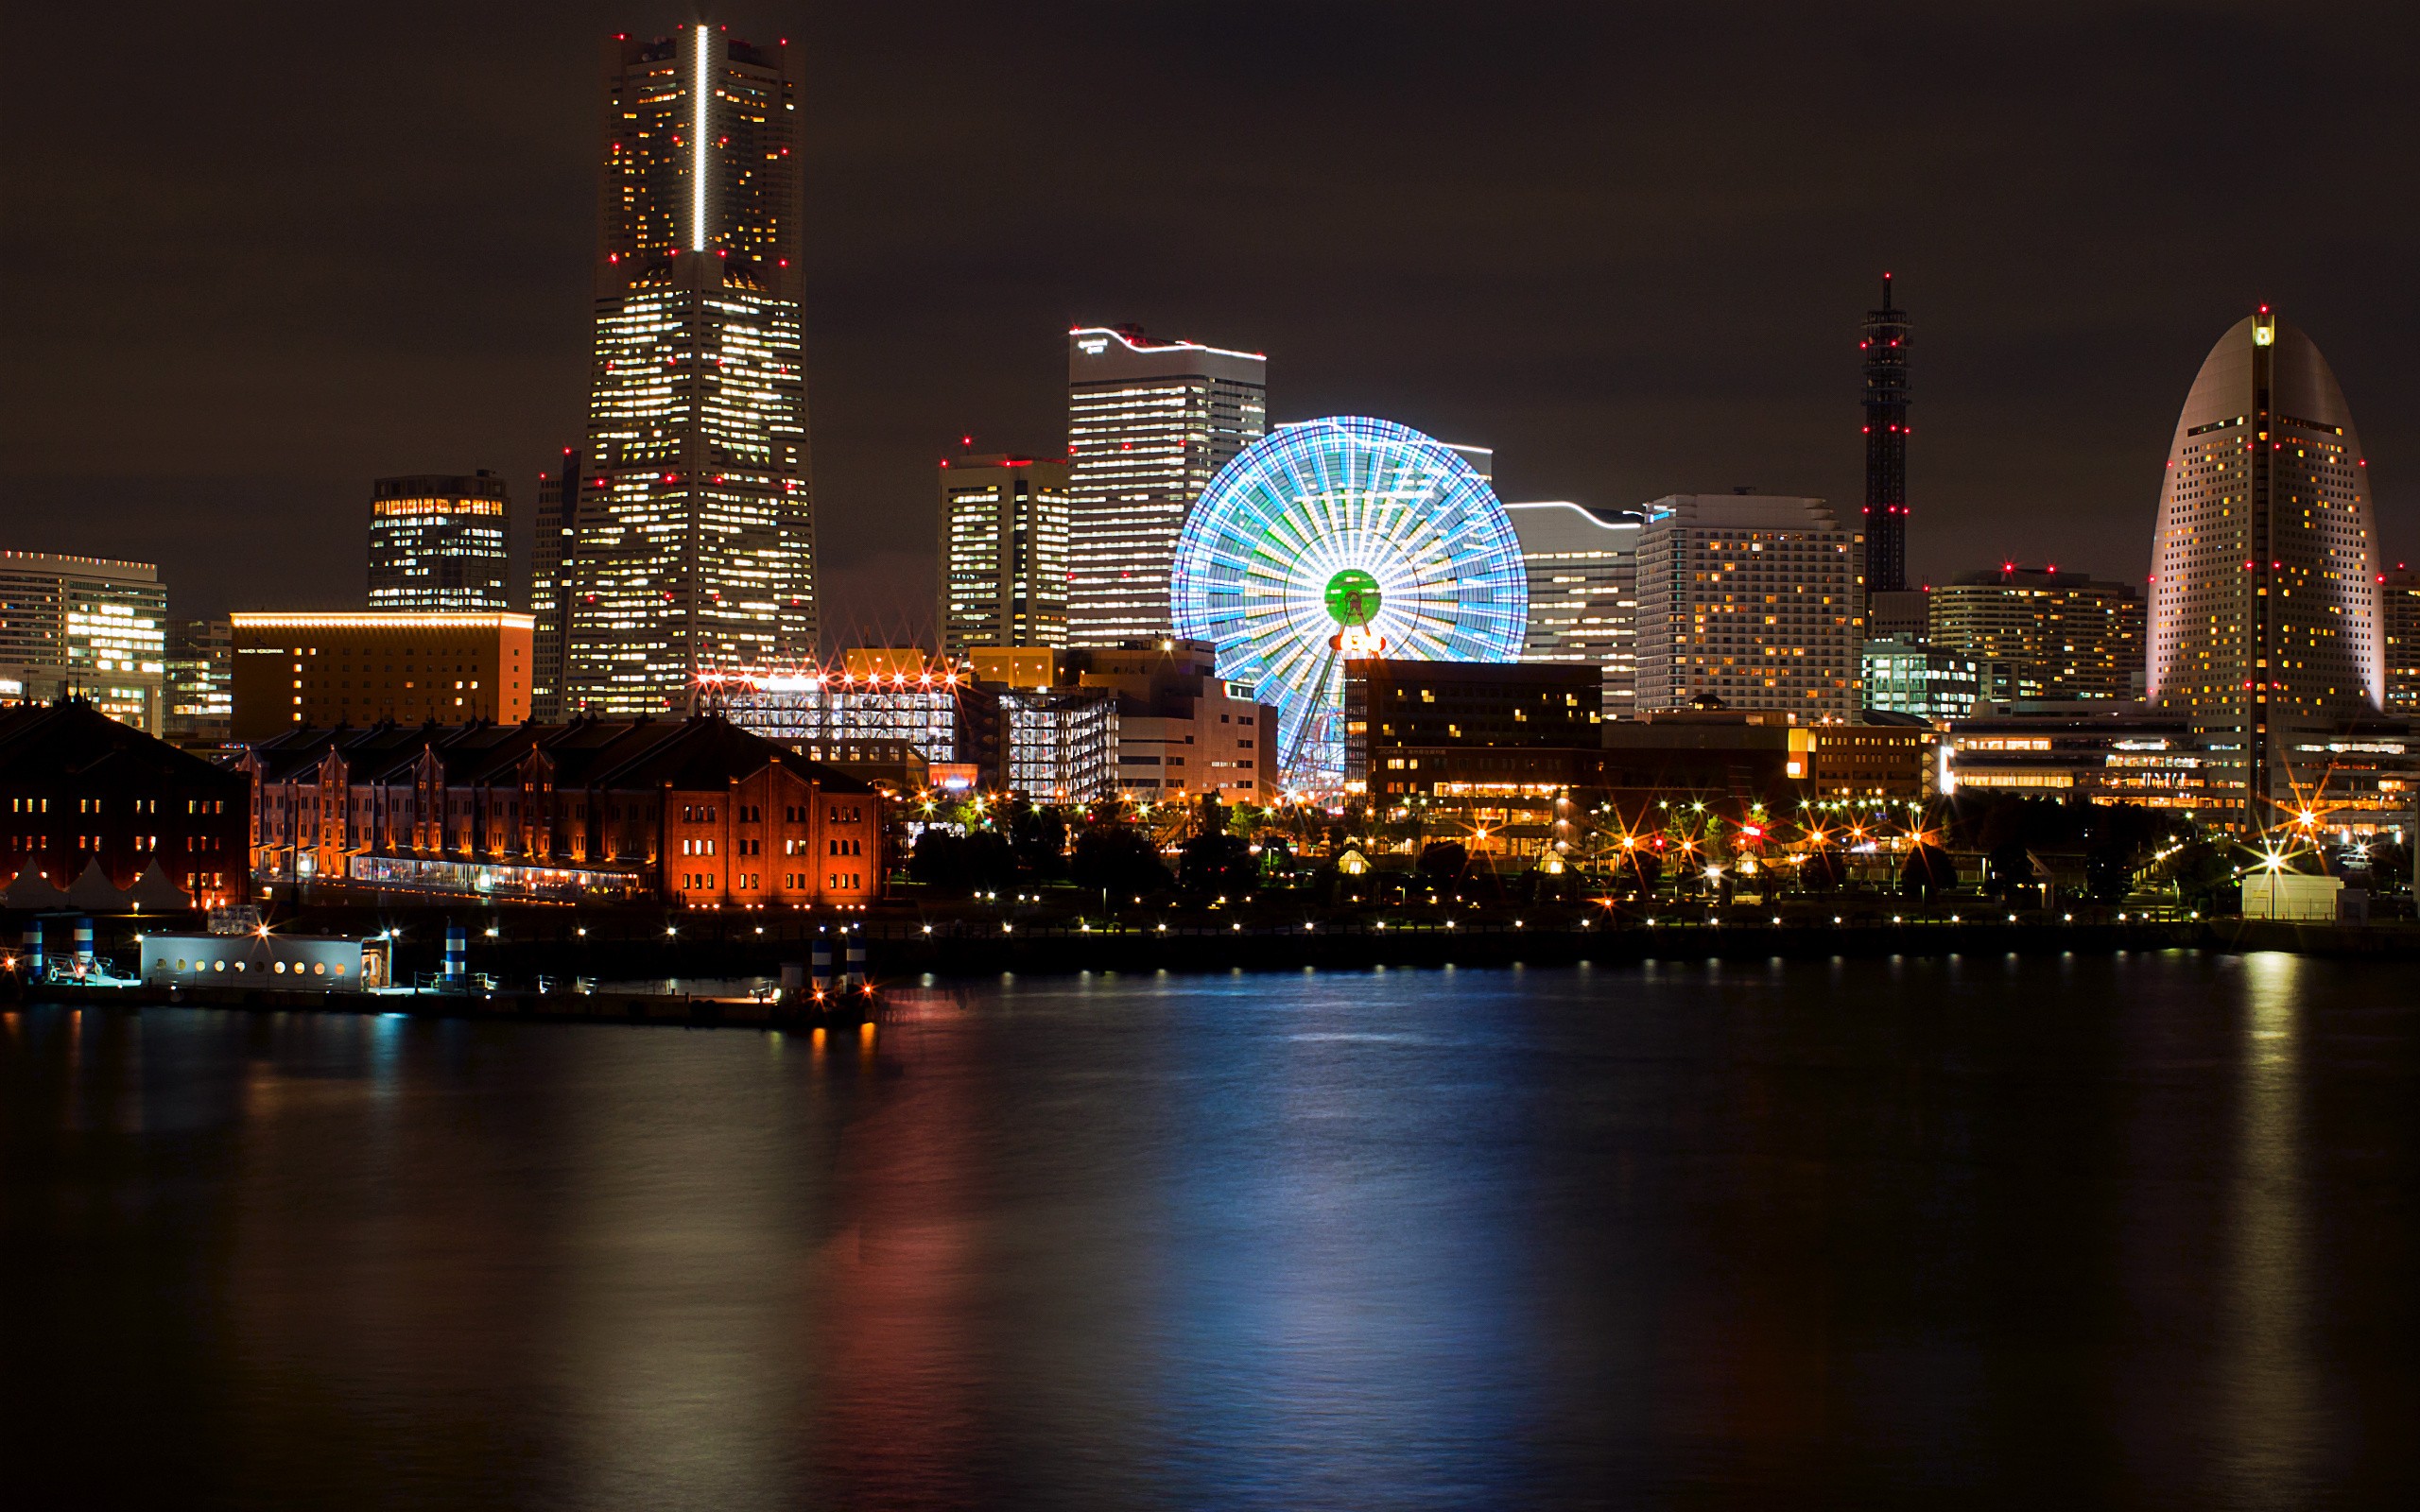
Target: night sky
256, 255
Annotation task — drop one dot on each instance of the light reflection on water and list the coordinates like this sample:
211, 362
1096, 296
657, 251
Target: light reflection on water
1777, 1233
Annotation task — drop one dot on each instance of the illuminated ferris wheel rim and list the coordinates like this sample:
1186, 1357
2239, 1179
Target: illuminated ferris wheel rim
1435, 567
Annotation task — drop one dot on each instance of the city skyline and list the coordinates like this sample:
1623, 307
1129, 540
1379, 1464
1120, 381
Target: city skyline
1604, 399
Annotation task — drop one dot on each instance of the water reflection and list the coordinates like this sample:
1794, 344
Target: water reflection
1838, 1232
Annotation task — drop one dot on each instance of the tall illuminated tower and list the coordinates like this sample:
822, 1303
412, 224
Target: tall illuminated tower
2264, 616
693, 541
1886, 446
1149, 424
438, 541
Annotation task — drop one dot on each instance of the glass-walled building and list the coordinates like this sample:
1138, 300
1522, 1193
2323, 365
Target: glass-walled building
439, 541
201, 682
1907, 676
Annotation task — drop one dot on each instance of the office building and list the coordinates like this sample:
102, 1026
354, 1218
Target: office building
296, 670
79, 793
1752, 598
694, 540
1052, 745
1402, 716
1003, 552
551, 554
200, 684
692, 812
440, 542
1885, 347
1149, 424
1183, 730
2062, 634
1907, 677
2400, 615
1582, 566
89, 627
2264, 616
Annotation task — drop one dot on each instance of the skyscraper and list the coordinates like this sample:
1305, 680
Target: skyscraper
1003, 552
1753, 599
694, 543
439, 541
1149, 424
2399, 612
2264, 617
1583, 591
1885, 346
551, 556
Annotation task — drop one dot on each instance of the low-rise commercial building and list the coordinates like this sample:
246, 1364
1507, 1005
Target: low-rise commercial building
2102, 755
1183, 730
296, 671
1398, 712
693, 810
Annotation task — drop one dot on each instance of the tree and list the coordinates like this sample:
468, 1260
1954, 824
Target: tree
1822, 870
1928, 872
1214, 861
1118, 860
2008, 871
1443, 861
2109, 872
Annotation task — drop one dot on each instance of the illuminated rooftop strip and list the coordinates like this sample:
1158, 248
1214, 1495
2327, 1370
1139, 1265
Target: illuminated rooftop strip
1163, 346
697, 168
396, 620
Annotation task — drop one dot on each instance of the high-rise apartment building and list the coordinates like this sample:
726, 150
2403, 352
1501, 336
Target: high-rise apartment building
439, 541
1003, 552
1583, 591
85, 627
1885, 345
1149, 424
694, 544
201, 682
1753, 599
2061, 635
2399, 612
2264, 617
550, 557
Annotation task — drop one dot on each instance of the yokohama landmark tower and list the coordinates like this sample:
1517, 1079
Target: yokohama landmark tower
1886, 447
691, 544
2264, 619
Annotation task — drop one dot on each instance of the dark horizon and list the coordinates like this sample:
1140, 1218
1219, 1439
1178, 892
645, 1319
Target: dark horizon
1632, 255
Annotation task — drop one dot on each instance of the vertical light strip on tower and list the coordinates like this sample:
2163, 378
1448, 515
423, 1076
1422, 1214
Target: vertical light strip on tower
698, 163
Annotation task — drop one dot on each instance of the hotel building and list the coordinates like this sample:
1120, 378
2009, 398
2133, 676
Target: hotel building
85, 627
1003, 552
2265, 626
1149, 424
1753, 599
440, 542
693, 535
300, 670
1583, 591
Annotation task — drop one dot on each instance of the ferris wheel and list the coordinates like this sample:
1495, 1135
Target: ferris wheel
1341, 538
